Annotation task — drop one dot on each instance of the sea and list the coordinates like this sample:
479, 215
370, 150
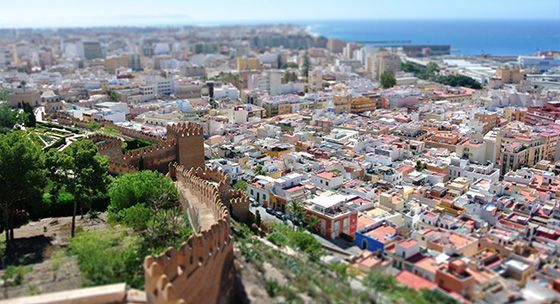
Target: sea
466, 37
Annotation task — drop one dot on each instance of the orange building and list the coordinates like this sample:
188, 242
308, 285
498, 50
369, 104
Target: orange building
362, 104
454, 277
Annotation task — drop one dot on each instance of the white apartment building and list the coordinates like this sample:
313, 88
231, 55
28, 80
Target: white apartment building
269, 81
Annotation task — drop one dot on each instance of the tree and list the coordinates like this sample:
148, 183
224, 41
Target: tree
30, 120
141, 165
306, 65
85, 173
168, 226
312, 222
137, 188
297, 210
459, 81
259, 170
93, 125
388, 80
4, 94
258, 219
113, 96
419, 166
8, 118
290, 77
240, 185
21, 176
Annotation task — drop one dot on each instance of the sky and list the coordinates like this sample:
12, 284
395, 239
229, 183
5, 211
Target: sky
69, 13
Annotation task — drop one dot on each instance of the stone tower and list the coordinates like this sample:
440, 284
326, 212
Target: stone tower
189, 144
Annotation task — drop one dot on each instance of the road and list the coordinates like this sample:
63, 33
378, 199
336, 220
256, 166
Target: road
268, 218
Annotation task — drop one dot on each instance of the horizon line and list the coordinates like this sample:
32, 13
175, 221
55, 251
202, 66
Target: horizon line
256, 22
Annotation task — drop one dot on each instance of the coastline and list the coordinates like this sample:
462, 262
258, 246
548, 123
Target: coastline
471, 37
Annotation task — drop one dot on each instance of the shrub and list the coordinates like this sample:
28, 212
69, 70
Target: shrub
136, 217
107, 257
139, 188
282, 235
14, 275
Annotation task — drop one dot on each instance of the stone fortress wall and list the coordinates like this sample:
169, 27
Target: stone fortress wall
201, 270
184, 144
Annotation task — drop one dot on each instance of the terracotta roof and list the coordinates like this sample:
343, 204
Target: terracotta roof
413, 281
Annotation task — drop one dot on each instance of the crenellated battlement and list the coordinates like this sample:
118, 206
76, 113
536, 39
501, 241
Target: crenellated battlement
184, 144
147, 152
202, 267
118, 168
109, 145
183, 129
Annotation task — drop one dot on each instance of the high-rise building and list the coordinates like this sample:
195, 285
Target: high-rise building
382, 62
116, 61
269, 81
335, 45
245, 63
92, 50
315, 80
509, 75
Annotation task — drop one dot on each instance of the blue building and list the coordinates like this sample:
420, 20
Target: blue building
376, 238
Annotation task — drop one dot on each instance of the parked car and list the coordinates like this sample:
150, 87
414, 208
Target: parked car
280, 215
270, 211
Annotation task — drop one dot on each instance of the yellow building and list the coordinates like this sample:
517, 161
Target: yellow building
114, 62
515, 149
244, 63
342, 104
362, 104
284, 108
488, 119
514, 114
510, 75
447, 206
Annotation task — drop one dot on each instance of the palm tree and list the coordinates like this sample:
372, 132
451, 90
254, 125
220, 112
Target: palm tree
312, 222
259, 170
297, 210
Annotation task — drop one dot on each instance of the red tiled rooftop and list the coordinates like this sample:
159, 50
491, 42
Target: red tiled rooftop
364, 222
294, 188
382, 233
327, 175
408, 243
413, 281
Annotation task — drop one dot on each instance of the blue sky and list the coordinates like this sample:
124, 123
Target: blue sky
59, 13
